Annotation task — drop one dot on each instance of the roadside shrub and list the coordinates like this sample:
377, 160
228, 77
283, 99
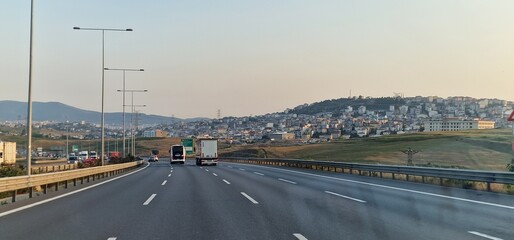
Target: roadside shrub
116, 160
12, 171
89, 163
510, 166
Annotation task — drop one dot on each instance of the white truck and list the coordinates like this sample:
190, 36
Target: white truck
7, 153
177, 154
206, 151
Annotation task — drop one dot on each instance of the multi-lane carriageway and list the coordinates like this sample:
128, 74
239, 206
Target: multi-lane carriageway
237, 201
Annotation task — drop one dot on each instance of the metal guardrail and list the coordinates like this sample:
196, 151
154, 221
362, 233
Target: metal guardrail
441, 173
13, 184
53, 168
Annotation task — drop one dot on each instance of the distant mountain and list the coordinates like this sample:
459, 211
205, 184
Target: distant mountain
337, 105
55, 111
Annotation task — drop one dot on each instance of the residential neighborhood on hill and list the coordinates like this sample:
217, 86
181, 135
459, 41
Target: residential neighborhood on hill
322, 121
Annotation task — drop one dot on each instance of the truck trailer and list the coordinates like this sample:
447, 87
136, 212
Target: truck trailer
7, 153
206, 151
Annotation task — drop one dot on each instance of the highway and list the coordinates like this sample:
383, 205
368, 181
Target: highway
237, 201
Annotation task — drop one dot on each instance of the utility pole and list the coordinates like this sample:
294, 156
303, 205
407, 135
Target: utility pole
410, 154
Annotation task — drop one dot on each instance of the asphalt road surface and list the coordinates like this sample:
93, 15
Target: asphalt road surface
237, 201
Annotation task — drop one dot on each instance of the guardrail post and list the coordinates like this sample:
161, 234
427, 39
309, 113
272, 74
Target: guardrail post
393, 175
407, 176
66, 184
74, 182
30, 191
57, 186
45, 188
423, 179
488, 186
53, 168
380, 174
13, 196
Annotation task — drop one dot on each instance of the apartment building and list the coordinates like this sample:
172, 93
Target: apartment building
456, 125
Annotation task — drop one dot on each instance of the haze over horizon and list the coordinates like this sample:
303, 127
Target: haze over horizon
251, 58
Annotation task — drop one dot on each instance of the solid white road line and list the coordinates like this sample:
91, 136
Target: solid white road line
287, 181
484, 235
258, 173
249, 198
299, 236
67, 194
112, 238
149, 199
343, 196
242, 169
227, 182
163, 183
215, 174
393, 188
169, 175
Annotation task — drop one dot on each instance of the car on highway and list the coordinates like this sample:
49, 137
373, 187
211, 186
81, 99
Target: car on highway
73, 159
153, 158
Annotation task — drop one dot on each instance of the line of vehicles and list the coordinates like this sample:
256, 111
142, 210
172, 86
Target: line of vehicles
205, 149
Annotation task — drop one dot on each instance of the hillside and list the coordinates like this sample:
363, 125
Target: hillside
58, 112
479, 149
337, 105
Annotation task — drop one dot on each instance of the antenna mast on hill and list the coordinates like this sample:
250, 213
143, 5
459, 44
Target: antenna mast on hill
219, 114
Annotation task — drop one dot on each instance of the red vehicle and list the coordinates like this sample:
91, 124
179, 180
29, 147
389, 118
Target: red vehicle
114, 154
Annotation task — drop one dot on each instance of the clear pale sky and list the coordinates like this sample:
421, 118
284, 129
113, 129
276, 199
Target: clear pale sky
255, 57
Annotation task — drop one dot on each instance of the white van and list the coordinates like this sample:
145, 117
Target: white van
83, 155
177, 154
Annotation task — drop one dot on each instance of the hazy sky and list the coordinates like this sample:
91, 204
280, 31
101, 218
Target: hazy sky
254, 57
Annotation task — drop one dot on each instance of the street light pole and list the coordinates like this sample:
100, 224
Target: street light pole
29, 111
124, 70
131, 116
103, 75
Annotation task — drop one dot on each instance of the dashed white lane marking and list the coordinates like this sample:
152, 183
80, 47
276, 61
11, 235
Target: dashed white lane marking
149, 199
299, 236
68, 194
215, 174
163, 183
201, 167
258, 173
227, 182
343, 196
242, 169
169, 175
393, 188
484, 235
230, 167
287, 181
249, 198
171, 170
112, 238
206, 170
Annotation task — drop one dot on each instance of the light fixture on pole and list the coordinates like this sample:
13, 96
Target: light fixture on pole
124, 70
103, 77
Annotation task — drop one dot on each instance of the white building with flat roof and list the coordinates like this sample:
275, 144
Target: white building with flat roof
456, 125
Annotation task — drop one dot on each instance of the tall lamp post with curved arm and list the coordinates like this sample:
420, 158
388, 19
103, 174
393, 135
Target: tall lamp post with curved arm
103, 76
